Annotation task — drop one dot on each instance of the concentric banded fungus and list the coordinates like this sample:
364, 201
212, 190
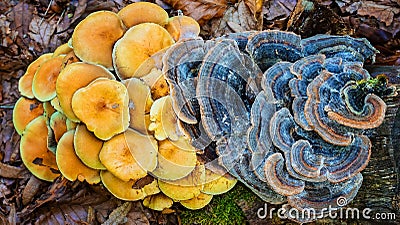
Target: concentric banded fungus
25, 110
163, 120
175, 159
270, 47
87, 147
127, 190
25, 82
197, 202
158, 202
34, 153
70, 165
143, 12
44, 81
344, 47
140, 102
185, 188
73, 77
94, 37
181, 27
103, 107
135, 47
130, 155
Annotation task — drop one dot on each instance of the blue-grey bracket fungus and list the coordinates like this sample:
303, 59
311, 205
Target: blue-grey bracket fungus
285, 116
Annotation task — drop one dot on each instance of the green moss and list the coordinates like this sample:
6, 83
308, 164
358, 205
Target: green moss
222, 210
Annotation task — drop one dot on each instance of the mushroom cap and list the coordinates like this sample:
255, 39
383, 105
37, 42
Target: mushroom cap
73, 77
44, 81
62, 50
56, 104
163, 119
34, 153
25, 110
181, 27
70, 58
158, 202
185, 188
58, 124
126, 190
130, 155
140, 102
94, 37
143, 12
175, 159
103, 107
87, 147
71, 167
25, 82
197, 202
48, 109
157, 83
153, 62
217, 183
138, 44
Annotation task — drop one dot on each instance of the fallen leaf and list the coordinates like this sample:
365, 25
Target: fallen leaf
8, 171
200, 10
278, 9
41, 31
383, 13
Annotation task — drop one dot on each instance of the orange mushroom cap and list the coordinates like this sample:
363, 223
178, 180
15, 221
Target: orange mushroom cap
143, 12
25, 82
87, 147
138, 44
94, 37
103, 107
44, 81
25, 110
70, 165
34, 152
181, 27
73, 77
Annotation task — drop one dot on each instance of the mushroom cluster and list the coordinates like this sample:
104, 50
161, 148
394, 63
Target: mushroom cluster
140, 103
98, 110
286, 116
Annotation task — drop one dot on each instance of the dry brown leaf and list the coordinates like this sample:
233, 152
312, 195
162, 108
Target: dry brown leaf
41, 31
383, 13
278, 9
200, 10
8, 171
20, 17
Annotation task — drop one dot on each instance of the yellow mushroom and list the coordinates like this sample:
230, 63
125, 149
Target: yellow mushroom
25, 110
87, 147
158, 202
181, 27
143, 12
163, 120
197, 202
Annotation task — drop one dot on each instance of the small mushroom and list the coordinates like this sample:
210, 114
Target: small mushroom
130, 155
71, 167
25, 82
185, 188
143, 12
163, 119
197, 202
140, 102
94, 37
151, 63
158, 202
55, 103
103, 106
25, 110
62, 50
217, 183
34, 153
73, 77
127, 190
87, 147
138, 44
157, 83
175, 159
44, 81
58, 124
182, 27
